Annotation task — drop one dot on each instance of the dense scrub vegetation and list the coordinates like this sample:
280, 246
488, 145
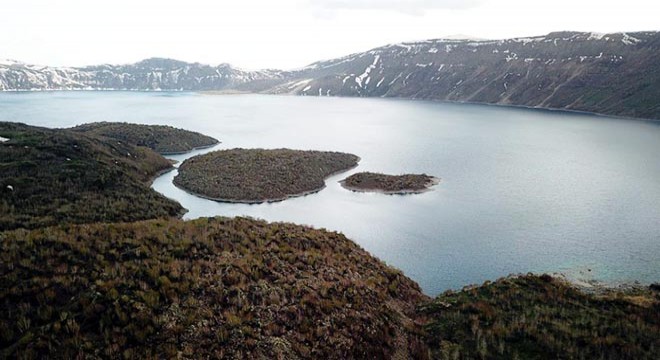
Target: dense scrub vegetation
160, 138
218, 287
258, 175
49, 177
389, 184
242, 288
540, 317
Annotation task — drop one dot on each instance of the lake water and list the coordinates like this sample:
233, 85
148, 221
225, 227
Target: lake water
521, 190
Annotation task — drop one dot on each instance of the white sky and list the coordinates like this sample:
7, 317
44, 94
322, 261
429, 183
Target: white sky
284, 34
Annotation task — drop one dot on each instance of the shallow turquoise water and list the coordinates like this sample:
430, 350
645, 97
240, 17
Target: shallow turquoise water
521, 190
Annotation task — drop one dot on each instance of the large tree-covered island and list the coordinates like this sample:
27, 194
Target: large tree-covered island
389, 184
258, 175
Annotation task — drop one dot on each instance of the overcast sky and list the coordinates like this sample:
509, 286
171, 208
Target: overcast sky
285, 34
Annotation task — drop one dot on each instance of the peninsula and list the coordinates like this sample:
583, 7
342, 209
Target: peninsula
166, 140
53, 176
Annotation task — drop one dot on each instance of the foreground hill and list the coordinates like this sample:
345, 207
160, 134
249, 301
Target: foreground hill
540, 317
160, 138
230, 288
52, 176
613, 74
242, 288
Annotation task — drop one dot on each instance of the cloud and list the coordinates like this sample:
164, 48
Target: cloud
411, 7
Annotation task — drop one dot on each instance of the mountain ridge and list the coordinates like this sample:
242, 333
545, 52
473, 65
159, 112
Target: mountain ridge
611, 74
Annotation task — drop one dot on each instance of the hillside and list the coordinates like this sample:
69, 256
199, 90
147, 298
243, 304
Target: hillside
218, 288
148, 74
613, 74
163, 139
50, 177
260, 175
243, 288
540, 317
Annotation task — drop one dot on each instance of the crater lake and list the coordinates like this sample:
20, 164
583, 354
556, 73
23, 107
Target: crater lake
521, 190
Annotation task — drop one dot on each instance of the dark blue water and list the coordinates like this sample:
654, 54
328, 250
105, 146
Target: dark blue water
521, 190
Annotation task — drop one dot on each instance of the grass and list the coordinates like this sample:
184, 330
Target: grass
160, 138
540, 317
407, 183
258, 175
233, 288
49, 177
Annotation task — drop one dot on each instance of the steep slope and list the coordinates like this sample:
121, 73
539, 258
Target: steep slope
50, 177
160, 138
208, 288
615, 74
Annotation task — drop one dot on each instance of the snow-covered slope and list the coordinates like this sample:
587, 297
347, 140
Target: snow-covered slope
616, 74
150, 74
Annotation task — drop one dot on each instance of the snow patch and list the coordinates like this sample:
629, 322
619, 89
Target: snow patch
407, 47
629, 40
526, 40
299, 83
366, 72
3, 139
511, 57
595, 36
346, 78
395, 79
433, 50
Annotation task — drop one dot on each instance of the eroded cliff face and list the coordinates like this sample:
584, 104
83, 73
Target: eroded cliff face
614, 74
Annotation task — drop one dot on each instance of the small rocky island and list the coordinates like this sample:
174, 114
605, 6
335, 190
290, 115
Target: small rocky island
166, 140
389, 184
258, 175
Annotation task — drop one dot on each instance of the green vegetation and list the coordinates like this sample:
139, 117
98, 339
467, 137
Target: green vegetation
49, 177
540, 317
257, 175
243, 288
163, 139
389, 184
218, 287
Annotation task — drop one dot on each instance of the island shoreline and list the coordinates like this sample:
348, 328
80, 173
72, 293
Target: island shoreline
271, 200
433, 182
